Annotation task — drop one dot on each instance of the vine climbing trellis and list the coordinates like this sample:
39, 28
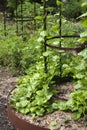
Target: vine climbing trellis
21, 19
60, 36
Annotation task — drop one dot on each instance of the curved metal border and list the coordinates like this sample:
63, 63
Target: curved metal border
19, 123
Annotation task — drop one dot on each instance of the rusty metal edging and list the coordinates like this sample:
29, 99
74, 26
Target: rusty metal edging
18, 122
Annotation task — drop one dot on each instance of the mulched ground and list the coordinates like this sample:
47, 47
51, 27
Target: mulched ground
64, 120
7, 82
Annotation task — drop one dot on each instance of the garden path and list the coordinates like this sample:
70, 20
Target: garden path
7, 82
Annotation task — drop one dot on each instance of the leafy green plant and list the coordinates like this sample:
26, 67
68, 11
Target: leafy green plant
53, 125
34, 93
72, 9
78, 101
18, 54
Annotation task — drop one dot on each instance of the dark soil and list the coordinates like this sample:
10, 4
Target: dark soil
64, 120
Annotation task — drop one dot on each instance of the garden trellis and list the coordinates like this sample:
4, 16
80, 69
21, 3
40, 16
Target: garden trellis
19, 20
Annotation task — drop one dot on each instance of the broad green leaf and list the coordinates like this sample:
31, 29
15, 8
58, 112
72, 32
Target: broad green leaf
40, 92
84, 4
84, 22
33, 109
79, 76
26, 111
43, 33
24, 103
18, 104
22, 111
39, 17
77, 86
55, 27
58, 2
80, 67
76, 115
40, 39
47, 53
84, 34
40, 112
83, 53
55, 105
55, 43
84, 15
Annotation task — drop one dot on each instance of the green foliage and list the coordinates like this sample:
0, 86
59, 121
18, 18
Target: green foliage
72, 9
78, 100
78, 103
53, 125
33, 95
10, 53
18, 54
84, 23
12, 3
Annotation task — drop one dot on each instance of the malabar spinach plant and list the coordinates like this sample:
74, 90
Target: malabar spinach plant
78, 101
33, 94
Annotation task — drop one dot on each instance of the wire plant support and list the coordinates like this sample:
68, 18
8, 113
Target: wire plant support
45, 28
60, 34
19, 20
4, 14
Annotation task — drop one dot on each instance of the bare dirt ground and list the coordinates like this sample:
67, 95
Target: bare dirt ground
64, 120
7, 82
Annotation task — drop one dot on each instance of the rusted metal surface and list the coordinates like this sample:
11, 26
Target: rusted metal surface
77, 49
20, 123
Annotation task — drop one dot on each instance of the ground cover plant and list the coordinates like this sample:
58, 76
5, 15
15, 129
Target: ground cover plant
35, 93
